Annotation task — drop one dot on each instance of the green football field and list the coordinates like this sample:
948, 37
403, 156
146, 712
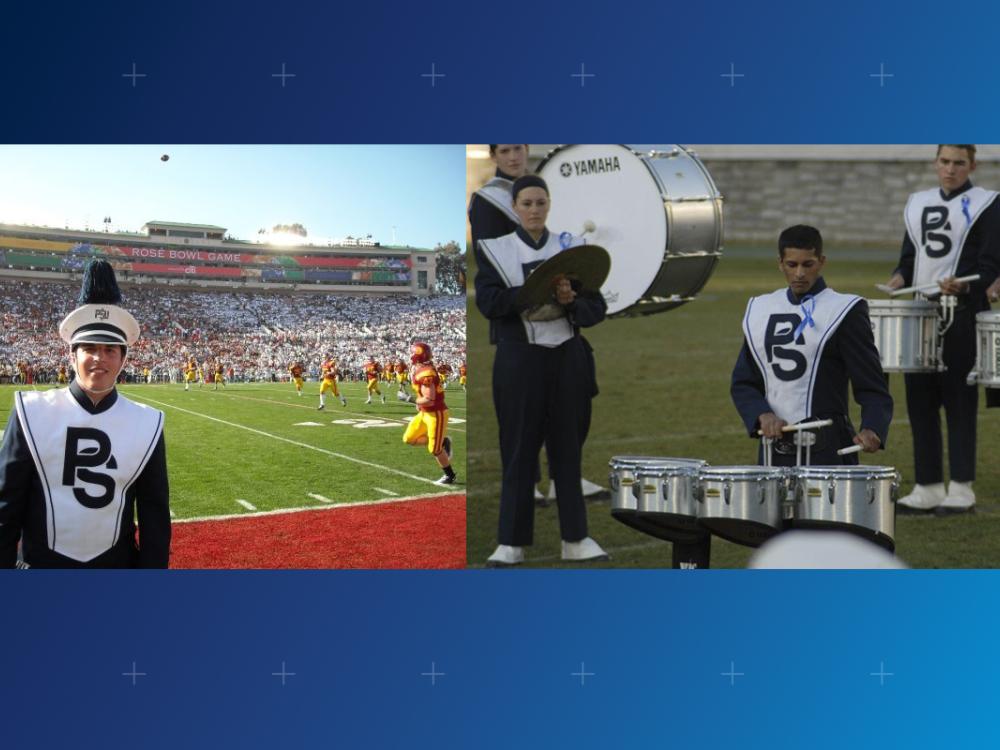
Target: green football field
664, 382
259, 447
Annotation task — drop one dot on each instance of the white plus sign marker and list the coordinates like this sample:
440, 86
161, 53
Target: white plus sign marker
283, 75
881, 674
433, 674
732, 674
283, 674
732, 75
433, 75
133, 674
583, 75
583, 674
881, 75
133, 75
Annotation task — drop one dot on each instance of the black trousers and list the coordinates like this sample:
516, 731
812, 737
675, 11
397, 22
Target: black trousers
541, 395
926, 393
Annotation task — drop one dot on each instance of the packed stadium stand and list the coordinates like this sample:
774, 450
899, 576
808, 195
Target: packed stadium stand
254, 307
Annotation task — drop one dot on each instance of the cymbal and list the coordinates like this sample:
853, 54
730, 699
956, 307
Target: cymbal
588, 264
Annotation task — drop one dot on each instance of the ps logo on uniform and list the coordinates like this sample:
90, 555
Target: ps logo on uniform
781, 333
936, 244
88, 448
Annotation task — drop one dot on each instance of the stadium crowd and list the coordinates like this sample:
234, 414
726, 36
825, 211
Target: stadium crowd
257, 336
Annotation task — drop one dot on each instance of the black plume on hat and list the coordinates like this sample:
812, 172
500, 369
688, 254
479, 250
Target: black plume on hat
99, 285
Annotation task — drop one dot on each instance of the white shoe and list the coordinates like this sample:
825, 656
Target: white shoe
505, 556
585, 550
588, 489
369, 400
383, 399
960, 499
925, 497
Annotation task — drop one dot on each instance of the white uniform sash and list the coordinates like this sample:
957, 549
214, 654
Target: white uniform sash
938, 228
498, 192
87, 463
514, 260
787, 349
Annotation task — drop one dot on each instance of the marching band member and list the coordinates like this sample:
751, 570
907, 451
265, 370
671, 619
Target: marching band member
79, 464
951, 231
555, 411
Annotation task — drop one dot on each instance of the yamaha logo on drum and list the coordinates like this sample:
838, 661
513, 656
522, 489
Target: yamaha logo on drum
590, 166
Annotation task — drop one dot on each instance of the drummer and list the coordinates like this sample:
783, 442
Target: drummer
542, 384
952, 231
801, 346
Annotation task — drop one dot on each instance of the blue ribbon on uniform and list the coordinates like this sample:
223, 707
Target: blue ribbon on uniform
965, 209
565, 240
808, 307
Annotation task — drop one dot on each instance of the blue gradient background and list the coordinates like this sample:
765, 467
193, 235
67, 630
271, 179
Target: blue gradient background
658, 642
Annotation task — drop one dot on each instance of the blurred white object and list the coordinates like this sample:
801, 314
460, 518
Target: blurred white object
822, 550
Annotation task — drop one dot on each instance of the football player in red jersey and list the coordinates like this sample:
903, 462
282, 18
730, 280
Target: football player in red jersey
372, 372
328, 382
296, 372
430, 425
403, 382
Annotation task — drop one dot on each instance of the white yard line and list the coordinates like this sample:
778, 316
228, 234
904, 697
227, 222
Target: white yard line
254, 430
246, 504
322, 499
333, 407
385, 492
319, 508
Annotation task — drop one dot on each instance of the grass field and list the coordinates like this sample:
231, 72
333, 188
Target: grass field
257, 447
664, 383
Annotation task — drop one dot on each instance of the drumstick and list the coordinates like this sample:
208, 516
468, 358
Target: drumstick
850, 449
804, 425
929, 287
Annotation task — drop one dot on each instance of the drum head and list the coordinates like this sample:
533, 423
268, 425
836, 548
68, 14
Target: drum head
612, 187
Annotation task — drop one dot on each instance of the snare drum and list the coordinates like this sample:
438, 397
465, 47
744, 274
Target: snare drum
987, 370
906, 334
858, 499
742, 504
624, 490
657, 213
665, 501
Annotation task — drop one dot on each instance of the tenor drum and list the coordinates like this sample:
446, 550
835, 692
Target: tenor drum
987, 370
742, 504
858, 499
906, 334
656, 211
622, 478
665, 501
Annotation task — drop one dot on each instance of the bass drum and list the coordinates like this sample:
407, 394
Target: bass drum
654, 208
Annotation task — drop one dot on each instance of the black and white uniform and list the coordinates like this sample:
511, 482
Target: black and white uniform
542, 384
799, 371
491, 211
949, 235
72, 475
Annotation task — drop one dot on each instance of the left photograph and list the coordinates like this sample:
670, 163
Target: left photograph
232, 357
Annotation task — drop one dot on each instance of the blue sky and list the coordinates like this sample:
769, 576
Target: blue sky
334, 191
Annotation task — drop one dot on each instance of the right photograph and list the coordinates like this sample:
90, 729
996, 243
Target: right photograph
729, 356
